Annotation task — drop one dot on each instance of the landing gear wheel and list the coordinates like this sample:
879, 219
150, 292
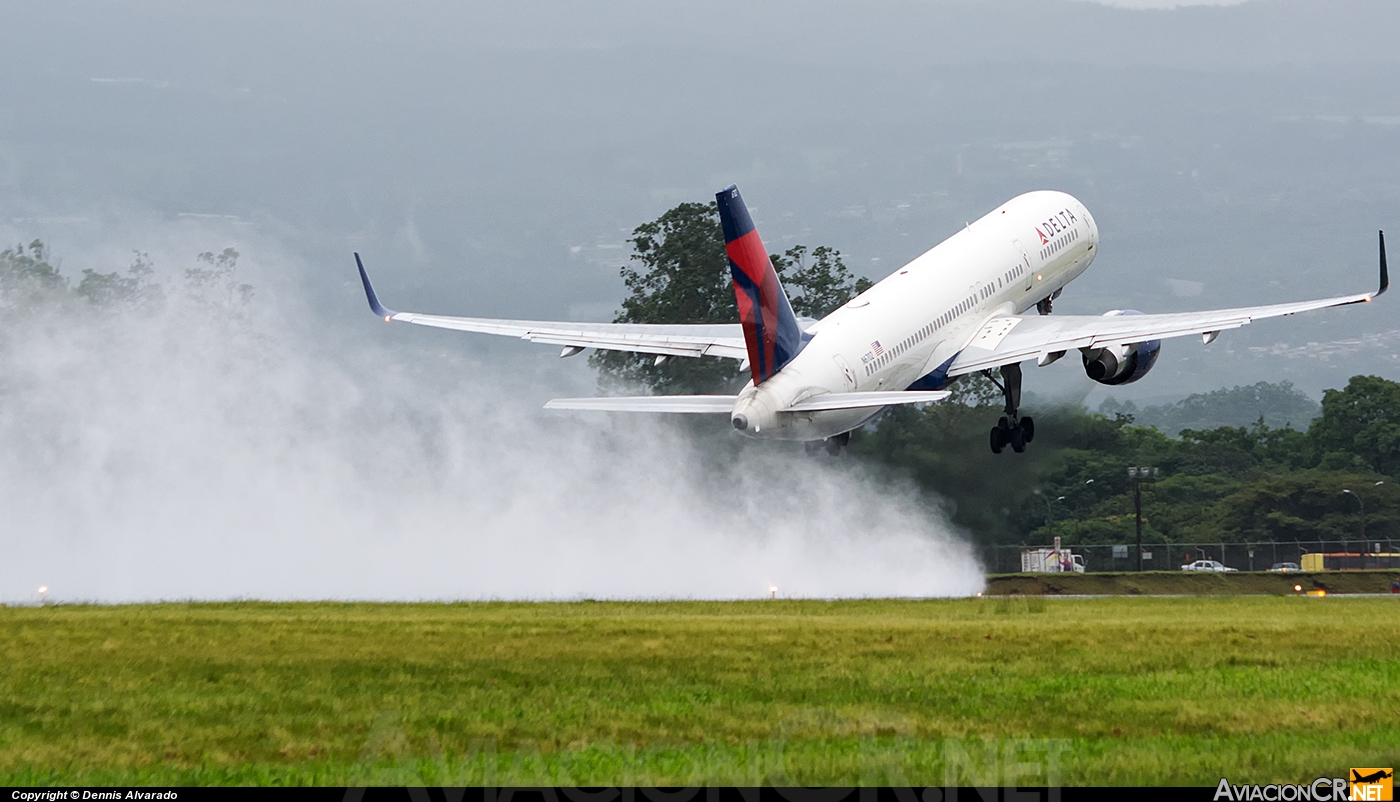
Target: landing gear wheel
835, 444
812, 446
1012, 429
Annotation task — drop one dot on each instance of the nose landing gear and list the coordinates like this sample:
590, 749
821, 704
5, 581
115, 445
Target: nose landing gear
1011, 430
1046, 305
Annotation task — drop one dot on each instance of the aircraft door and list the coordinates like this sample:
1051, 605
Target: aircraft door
1025, 258
846, 372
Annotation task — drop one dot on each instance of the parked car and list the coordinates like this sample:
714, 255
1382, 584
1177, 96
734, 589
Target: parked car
1285, 568
1207, 565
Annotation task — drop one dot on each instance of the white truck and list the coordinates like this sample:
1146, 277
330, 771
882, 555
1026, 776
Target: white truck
1051, 561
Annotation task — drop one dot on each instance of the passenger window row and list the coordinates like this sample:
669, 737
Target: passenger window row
924, 333
1059, 243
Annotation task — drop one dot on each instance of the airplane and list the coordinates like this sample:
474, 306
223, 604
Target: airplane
1376, 776
962, 307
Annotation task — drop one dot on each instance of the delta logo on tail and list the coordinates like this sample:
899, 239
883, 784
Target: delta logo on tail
770, 328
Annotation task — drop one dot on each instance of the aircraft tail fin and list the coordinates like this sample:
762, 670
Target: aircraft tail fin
770, 327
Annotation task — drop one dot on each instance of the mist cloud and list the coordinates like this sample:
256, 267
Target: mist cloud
203, 452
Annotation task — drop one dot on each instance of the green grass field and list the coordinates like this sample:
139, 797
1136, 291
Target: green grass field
1104, 691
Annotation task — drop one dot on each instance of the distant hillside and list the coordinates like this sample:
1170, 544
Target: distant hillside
1278, 404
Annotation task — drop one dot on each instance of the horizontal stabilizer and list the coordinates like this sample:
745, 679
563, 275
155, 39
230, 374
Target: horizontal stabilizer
725, 403
649, 403
828, 401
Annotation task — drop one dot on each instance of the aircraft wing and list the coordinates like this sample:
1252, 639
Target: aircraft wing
722, 340
1007, 339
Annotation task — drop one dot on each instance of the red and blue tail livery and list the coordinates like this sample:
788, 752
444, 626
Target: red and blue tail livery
770, 327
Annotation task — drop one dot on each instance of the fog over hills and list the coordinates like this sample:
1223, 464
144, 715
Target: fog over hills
491, 159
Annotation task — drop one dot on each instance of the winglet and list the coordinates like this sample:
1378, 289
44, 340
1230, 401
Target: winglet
374, 304
1385, 274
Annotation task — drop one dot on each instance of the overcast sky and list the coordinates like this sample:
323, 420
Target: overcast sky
1165, 4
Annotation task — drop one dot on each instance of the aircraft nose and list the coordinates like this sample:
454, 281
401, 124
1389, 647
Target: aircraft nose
740, 422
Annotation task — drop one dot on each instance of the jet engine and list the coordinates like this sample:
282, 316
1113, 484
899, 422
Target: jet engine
1121, 364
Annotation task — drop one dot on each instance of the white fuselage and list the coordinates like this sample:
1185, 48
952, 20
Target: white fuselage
901, 331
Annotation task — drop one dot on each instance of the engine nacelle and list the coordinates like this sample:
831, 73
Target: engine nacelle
1121, 364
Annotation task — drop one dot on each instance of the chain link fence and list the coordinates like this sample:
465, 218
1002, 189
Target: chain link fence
1171, 556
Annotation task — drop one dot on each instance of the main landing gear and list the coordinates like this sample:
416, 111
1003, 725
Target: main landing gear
1011, 430
834, 445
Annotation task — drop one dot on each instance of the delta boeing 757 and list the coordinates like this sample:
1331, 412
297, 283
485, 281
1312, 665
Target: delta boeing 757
959, 308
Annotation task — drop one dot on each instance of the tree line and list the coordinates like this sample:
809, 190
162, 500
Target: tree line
32, 285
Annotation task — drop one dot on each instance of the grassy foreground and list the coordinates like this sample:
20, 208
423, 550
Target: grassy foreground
1131, 690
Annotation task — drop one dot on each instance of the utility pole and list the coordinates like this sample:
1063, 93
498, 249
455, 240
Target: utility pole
1049, 516
1076, 512
1138, 477
1137, 508
1362, 502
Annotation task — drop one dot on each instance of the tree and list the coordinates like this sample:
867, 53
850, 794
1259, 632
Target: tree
679, 273
107, 290
1277, 405
817, 289
214, 286
28, 281
31, 286
1359, 427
